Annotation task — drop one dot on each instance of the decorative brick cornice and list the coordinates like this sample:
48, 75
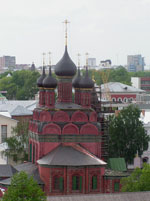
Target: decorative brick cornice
65, 138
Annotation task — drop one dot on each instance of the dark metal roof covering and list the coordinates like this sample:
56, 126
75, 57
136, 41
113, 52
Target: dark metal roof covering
65, 67
21, 111
49, 81
32, 67
7, 171
73, 155
29, 168
76, 80
132, 196
86, 81
41, 78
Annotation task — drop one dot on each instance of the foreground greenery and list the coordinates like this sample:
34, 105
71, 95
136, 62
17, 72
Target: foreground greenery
24, 188
139, 180
127, 135
18, 143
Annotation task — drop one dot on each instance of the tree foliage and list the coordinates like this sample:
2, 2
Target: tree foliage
119, 74
23, 188
21, 85
127, 135
18, 143
139, 180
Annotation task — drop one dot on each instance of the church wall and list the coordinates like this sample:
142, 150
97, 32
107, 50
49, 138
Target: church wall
48, 176
45, 176
92, 147
109, 185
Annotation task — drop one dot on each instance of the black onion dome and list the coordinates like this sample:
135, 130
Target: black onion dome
86, 81
41, 78
49, 81
32, 67
65, 67
76, 80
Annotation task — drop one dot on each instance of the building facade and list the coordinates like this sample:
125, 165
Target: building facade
66, 136
121, 92
92, 62
141, 83
7, 61
135, 63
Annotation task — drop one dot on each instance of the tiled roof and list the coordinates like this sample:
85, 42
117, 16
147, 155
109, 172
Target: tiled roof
73, 155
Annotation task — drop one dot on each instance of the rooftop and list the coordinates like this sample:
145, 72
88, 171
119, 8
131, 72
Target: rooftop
120, 88
73, 155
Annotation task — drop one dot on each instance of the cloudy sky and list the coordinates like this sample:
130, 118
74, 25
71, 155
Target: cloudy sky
106, 29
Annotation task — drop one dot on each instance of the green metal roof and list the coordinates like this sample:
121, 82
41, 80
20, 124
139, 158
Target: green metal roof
117, 164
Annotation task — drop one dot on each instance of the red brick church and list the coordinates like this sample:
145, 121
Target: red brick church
65, 136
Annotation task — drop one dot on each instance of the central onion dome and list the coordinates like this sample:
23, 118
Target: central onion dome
49, 81
41, 78
76, 80
86, 82
65, 67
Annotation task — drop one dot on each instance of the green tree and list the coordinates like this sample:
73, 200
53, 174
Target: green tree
139, 180
18, 143
120, 75
21, 85
23, 188
127, 135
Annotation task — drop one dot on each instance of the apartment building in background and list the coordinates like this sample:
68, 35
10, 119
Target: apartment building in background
7, 61
92, 62
141, 83
135, 63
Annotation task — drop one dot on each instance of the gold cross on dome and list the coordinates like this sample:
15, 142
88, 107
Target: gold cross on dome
78, 59
49, 53
66, 34
87, 56
43, 58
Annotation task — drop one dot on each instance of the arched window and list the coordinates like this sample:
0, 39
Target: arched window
120, 99
58, 183
125, 100
130, 99
114, 99
94, 182
77, 182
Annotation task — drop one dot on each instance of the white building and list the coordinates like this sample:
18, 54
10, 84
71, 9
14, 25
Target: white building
6, 127
145, 118
92, 62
